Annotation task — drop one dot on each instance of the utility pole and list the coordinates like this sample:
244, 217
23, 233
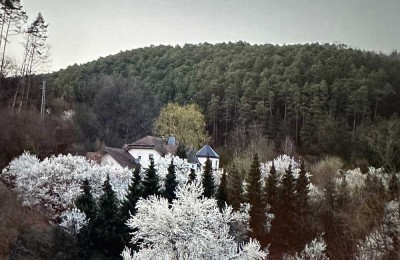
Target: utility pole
43, 104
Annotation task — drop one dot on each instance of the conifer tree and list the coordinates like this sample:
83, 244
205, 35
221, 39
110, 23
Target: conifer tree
108, 238
286, 212
128, 207
170, 183
192, 176
87, 204
394, 187
151, 185
255, 199
272, 199
235, 189
222, 192
302, 189
208, 180
272, 190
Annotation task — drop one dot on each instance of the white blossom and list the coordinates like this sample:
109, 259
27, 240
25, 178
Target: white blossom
193, 228
73, 220
379, 242
315, 250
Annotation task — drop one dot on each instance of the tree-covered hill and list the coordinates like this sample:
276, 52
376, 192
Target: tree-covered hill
322, 96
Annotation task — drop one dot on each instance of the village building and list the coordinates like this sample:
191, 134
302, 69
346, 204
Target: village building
113, 156
208, 152
143, 150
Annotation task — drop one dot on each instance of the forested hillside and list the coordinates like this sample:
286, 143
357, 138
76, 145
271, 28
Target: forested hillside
329, 99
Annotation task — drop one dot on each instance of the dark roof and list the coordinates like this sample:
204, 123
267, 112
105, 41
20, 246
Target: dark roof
191, 156
122, 157
151, 142
207, 151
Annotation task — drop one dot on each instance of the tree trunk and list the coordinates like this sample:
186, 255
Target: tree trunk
4, 47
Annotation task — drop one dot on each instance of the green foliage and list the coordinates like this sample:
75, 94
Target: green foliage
170, 183
394, 189
151, 184
85, 202
208, 180
222, 192
283, 229
108, 238
185, 122
254, 197
128, 206
235, 188
192, 175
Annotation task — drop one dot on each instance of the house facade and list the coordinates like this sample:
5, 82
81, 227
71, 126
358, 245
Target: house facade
208, 152
151, 147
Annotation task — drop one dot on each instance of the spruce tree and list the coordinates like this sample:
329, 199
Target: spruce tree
235, 189
394, 188
286, 212
192, 176
302, 209
151, 185
222, 192
208, 180
302, 189
170, 183
272, 199
128, 207
272, 190
255, 199
108, 238
87, 204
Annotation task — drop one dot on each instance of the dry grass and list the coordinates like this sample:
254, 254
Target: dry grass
14, 219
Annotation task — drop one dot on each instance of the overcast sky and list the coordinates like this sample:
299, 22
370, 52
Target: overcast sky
83, 30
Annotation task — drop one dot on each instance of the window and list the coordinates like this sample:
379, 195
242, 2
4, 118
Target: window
151, 156
139, 157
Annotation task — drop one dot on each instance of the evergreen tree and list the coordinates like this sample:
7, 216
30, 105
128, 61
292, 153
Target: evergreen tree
87, 204
255, 199
208, 180
192, 175
108, 238
151, 184
222, 192
394, 187
302, 189
181, 152
286, 212
128, 207
272, 199
170, 183
272, 190
235, 189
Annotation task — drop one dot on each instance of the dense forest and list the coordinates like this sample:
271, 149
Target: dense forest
325, 99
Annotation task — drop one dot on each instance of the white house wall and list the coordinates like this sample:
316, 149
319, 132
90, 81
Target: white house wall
214, 162
143, 156
107, 159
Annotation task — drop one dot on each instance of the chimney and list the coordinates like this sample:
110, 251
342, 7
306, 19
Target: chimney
171, 140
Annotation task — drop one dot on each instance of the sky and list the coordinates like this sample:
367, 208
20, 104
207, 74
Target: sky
83, 30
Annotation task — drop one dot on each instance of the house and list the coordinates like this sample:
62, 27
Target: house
208, 152
113, 156
151, 147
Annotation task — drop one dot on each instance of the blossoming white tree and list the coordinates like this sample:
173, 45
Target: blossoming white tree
73, 220
380, 243
54, 183
315, 250
192, 228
